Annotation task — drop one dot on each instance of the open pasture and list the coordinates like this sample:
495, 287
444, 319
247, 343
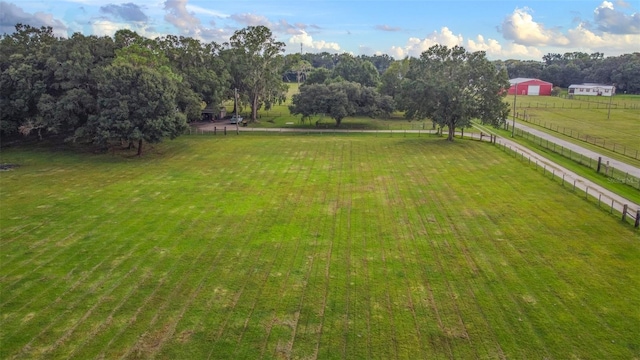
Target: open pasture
587, 118
296, 246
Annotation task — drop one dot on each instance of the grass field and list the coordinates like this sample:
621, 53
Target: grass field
589, 119
285, 246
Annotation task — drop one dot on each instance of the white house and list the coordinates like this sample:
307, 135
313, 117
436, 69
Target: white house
592, 89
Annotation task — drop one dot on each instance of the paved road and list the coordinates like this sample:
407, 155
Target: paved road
608, 198
618, 165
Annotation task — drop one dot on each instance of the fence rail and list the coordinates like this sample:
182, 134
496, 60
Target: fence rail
575, 134
609, 171
577, 103
604, 201
228, 130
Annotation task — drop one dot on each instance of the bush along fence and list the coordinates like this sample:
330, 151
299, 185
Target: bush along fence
596, 164
600, 142
629, 213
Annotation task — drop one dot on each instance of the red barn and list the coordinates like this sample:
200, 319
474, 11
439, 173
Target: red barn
530, 87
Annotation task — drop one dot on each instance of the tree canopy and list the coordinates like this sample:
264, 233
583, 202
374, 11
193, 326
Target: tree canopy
136, 104
339, 100
256, 67
452, 86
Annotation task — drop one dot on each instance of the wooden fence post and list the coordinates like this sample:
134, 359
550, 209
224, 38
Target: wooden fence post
599, 163
624, 212
637, 223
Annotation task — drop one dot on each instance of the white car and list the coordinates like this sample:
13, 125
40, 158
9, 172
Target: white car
236, 119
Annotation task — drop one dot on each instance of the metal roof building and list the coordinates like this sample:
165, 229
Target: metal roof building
526, 86
592, 89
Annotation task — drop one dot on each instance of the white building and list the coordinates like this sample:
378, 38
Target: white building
592, 89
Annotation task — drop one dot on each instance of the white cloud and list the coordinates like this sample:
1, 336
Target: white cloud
520, 27
10, 15
251, 19
387, 28
529, 37
495, 50
311, 45
416, 46
182, 16
200, 10
608, 43
611, 20
178, 15
103, 27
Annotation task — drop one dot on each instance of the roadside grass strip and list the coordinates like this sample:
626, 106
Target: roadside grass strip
309, 246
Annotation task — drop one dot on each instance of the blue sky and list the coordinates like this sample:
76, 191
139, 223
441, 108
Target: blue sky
505, 29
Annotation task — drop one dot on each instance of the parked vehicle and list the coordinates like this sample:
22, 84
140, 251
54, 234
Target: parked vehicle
236, 119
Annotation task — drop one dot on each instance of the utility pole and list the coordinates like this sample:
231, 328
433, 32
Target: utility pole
235, 105
515, 98
613, 91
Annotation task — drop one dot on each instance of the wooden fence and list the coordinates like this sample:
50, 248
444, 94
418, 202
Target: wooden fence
609, 171
594, 140
603, 201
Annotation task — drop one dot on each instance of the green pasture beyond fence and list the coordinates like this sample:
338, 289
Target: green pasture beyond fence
576, 102
609, 171
603, 201
594, 140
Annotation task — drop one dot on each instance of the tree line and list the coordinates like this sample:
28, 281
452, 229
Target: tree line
126, 90
449, 86
570, 68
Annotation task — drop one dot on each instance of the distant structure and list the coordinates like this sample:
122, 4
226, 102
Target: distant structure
526, 86
591, 89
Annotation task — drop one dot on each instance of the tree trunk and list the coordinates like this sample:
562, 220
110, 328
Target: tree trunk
452, 131
140, 147
254, 108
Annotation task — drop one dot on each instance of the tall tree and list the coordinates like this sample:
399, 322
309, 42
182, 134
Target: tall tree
339, 100
23, 78
204, 74
392, 78
358, 70
136, 104
256, 62
452, 86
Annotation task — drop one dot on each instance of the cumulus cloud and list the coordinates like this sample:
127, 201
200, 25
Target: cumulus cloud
416, 46
387, 28
105, 27
614, 33
10, 15
495, 50
247, 19
126, 12
607, 43
311, 45
179, 15
520, 27
610, 20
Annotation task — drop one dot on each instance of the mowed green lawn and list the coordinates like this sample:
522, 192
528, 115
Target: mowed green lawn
307, 247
